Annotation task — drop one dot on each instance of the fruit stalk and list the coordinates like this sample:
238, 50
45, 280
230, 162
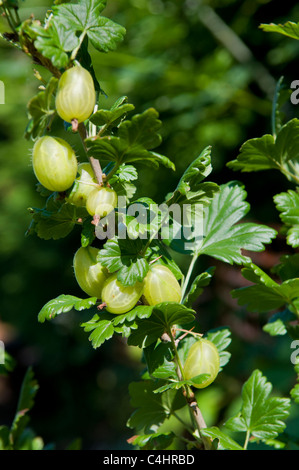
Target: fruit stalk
188, 275
194, 409
96, 166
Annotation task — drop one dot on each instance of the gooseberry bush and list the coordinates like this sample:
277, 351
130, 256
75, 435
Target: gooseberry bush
131, 283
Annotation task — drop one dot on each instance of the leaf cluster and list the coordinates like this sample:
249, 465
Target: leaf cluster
19, 436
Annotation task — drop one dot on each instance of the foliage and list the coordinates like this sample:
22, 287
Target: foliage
120, 144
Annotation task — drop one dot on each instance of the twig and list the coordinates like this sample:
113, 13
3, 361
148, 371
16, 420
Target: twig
96, 166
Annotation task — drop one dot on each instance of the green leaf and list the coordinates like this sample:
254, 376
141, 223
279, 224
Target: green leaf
255, 155
279, 322
190, 189
163, 317
134, 142
7, 362
113, 116
266, 152
143, 129
265, 294
223, 236
198, 170
225, 441
152, 409
289, 29
66, 29
56, 222
84, 18
154, 441
124, 256
288, 206
197, 286
281, 95
193, 196
102, 330
53, 40
159, 360
141, 219
28, 391
122, 179
288, 267
102, 326
261, 415
295, 390
4, 438
64, 303
40, 110
125, 173
88, 232
221, 338
26, 401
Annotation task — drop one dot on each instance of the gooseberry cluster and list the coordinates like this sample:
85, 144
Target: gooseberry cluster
56, 168
54, 161
159, 285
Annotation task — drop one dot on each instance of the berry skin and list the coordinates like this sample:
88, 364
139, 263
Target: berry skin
160, 285
101, 201
203, 358
76, 95
84, 184
118, 298
54, 163
89, 274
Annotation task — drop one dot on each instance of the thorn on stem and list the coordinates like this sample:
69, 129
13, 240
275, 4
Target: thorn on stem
101, 306
96, 219
156, 259
165, 338
75, 125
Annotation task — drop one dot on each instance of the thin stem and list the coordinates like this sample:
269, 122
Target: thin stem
93, 127
296, 310
287, 173
76, 50
186, 426
246, 440
9, 18
112, 172
188, 275
94, 162
18, 19
177, 357
188, 332
283, 170
102, 130
83, 135
186, 441
190, 397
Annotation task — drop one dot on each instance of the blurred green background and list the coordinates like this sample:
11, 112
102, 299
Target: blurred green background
210, 72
